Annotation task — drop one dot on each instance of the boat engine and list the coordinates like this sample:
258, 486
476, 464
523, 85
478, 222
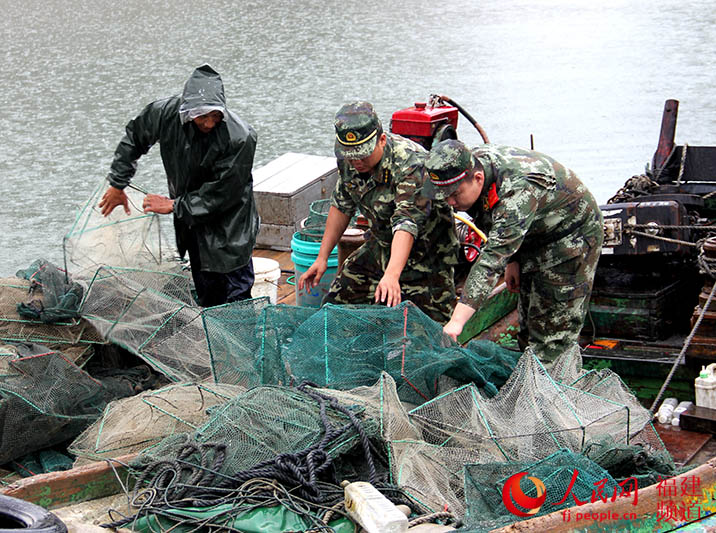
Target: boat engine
425, 125
428, 123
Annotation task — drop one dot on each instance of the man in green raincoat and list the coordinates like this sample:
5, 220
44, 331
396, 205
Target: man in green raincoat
207, 152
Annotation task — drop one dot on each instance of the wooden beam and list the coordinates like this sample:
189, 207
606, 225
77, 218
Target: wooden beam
500, 303
84, 483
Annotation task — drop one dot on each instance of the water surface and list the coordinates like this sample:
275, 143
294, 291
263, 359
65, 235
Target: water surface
587, 79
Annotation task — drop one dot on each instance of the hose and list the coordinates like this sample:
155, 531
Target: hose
467, 116
472, 226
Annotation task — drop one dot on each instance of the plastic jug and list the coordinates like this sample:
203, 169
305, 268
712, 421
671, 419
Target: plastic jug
705, 387
373, 511
666, 410
676, 418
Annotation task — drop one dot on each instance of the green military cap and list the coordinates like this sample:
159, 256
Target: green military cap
448, 163
357, 131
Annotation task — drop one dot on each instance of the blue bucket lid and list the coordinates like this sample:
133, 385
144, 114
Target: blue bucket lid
309, 247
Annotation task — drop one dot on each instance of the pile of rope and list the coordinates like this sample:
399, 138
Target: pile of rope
305, 482
635, 187
250, 495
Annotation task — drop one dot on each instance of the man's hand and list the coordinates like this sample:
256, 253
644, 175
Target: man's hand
452, 329
512, 276
313, 275
156, 203
459, 318
111, 199
388, 290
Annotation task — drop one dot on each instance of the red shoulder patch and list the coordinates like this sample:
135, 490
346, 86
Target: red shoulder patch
492, 197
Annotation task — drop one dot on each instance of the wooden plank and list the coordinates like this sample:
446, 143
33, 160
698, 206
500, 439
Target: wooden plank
80, 484
500, 303
283, 257
504, 331
682, 444
287, 291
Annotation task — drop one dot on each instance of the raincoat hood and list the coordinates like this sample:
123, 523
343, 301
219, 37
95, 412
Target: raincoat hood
203, 93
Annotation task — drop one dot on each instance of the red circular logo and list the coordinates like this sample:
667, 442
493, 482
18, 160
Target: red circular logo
512, 491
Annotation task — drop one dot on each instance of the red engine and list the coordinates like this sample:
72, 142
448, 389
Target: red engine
428, 124
424, 124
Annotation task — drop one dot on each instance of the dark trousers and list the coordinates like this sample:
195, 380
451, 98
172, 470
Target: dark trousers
217, 288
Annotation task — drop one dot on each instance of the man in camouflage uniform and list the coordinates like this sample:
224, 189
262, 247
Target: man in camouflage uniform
544, 231
411, 245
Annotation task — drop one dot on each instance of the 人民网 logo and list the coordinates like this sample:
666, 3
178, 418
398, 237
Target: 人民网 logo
512, 494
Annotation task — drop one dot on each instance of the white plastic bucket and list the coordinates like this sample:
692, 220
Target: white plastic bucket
266, 275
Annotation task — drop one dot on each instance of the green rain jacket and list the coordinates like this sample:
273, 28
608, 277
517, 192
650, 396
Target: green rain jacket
209, 175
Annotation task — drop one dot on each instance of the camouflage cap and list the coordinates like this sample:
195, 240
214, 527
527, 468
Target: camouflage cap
447, 165
357, 130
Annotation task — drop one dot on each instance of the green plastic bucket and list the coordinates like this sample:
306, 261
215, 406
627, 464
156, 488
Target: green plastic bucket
303, 254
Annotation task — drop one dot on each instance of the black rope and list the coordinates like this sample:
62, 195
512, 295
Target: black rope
249, 496
365, 441
193, 477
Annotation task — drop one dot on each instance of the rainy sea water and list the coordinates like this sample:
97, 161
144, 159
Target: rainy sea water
587, 80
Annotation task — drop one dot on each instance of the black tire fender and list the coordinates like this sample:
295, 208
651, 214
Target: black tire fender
18, 515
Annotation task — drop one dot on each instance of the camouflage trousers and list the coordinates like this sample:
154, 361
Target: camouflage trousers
554, 302
429, 286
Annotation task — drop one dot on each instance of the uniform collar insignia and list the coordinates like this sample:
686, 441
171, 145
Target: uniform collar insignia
491, 199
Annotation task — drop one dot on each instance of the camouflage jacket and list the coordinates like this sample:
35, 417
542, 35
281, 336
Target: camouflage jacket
390, 199
534, 211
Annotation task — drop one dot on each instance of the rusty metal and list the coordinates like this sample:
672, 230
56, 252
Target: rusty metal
620, 219
350, 241
666, 135
705, 340
703, 297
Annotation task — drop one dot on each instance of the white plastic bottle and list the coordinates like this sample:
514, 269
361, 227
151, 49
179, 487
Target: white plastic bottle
676, 418
666, 410
373, 511
705, 387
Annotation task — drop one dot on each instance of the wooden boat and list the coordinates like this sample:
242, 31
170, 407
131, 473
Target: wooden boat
684, 172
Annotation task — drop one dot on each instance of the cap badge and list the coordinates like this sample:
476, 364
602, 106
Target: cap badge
351, 137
